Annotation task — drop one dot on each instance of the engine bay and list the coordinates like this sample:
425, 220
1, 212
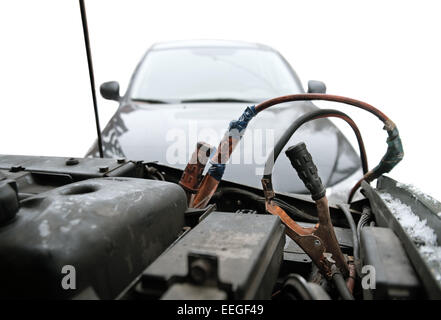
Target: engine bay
127, 231
95, 228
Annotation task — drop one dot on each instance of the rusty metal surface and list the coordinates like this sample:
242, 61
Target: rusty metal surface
319, 242
327, 97
207, 189
192, 174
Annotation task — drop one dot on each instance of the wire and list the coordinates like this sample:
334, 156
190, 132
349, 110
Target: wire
340, 284
364, 220
366, 177
317, 114
284, 205
321, 96
355, 242
245, 193
295, 211
393, 155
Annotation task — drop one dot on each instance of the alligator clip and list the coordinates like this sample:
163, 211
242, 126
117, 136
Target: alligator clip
192, 175
319, 242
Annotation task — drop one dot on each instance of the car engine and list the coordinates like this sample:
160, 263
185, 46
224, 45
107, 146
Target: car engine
96, 228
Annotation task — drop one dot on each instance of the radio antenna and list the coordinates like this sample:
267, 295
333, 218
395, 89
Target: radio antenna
91, 76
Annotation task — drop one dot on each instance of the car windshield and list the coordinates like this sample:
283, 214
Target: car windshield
213, 74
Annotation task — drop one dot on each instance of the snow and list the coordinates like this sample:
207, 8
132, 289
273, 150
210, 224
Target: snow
416, 191
423, 236
417, 229
432, 254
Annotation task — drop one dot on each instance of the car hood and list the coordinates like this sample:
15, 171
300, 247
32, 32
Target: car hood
168, 133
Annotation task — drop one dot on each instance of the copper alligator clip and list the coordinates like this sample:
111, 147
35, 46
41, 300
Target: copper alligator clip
319, 242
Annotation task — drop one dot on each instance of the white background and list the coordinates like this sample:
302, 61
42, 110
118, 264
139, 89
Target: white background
387, 53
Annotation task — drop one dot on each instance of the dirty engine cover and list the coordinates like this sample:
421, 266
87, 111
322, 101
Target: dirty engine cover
108, 229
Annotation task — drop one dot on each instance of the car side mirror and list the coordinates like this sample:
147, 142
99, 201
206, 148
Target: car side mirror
110, 90
315, 86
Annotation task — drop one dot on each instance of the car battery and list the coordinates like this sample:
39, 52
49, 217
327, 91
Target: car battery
226, 256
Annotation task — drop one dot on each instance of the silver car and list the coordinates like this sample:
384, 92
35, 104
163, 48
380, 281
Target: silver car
186, 91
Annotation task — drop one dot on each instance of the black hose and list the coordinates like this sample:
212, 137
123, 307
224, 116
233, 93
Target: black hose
340, 284
245, 193
283, 140
355, 242
286, 206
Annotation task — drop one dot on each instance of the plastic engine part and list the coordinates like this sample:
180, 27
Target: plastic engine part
107, 229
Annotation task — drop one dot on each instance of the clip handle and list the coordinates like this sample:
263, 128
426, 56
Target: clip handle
301, 161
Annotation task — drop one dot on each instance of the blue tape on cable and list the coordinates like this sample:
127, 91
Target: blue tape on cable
237, 127
217, 170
